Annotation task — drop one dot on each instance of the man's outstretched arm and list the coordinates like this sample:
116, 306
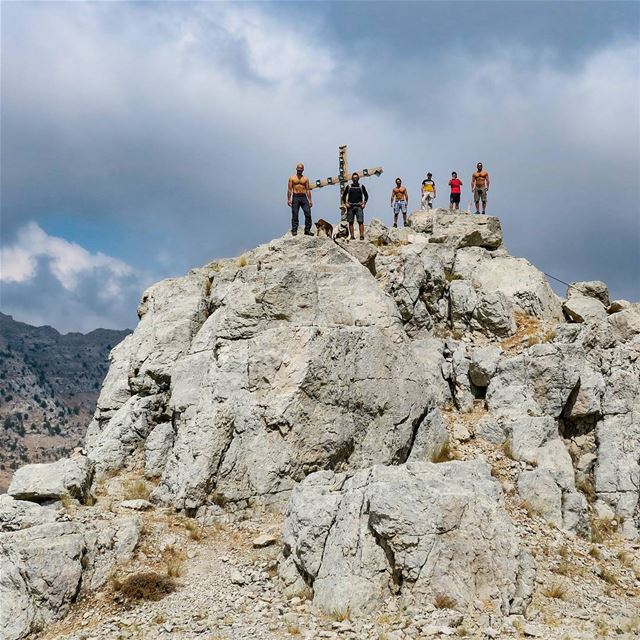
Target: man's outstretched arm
309, 194
289, 191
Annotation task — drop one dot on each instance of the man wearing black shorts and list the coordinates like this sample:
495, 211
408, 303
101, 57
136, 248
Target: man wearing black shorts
455, 185
355, 197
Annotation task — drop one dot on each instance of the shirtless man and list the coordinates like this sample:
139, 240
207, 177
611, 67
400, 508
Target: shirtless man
479, 187
299, 195
399, 202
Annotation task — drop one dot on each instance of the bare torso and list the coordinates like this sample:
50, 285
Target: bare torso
480, 178
400, 193
299, 185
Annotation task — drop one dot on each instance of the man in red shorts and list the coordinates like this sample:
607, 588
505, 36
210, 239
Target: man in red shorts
455, 183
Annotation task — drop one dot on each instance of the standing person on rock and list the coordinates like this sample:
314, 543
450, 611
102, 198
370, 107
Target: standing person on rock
455, 183
299, 195
399, 202
480, 186
355, 197
428, 193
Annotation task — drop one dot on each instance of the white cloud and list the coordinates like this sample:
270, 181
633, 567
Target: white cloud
188, 117
67, 261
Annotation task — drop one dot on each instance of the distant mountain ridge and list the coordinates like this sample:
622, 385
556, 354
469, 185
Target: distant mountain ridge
49, 384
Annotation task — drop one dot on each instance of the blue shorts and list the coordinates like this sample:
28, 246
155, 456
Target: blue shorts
400, 206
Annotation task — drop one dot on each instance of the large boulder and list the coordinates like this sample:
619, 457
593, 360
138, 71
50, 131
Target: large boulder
45, 565
524, 286
418, 530
580, 308
301, 364
69, 477
40, 575
457, 229
22, 514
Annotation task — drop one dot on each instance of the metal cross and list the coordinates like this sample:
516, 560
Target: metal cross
344, 176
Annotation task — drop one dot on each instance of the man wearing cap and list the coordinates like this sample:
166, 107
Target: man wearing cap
479, 187
428, 193
299, 195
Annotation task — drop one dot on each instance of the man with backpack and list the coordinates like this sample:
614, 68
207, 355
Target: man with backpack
355, 198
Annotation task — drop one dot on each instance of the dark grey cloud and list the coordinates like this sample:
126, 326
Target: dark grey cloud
171, 128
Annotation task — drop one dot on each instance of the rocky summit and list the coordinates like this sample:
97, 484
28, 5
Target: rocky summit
407, 437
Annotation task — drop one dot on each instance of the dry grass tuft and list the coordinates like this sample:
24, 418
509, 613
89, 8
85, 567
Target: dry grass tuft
602, 529
607, 575
340, 615
555, 590
196, 531
565, 569
530, 510
631, 625
442, 601
293, 630
626, 558
146, 585
507, 449
174, 561
242, 261
136, 490
594, 552
588, 488
443, 454
68, 504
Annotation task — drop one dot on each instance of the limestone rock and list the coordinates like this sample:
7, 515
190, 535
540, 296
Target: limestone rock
483, 364
125, 431
434, 529
22, 514
364, 252
458, 229
42, 482
294, 360
431, 438
494, 314
618, 305
463, 300
377, 233
156, 449
523, 285
40, 572
594, 289
581, 308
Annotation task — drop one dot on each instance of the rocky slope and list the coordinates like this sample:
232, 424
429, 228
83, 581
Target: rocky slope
49, 384
448, 446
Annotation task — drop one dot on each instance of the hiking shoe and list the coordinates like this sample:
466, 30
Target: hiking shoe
294, 233
361, 237
395, 226
477, 213
308, 233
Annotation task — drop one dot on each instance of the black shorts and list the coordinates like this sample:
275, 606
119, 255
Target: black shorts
455, 198
355, 212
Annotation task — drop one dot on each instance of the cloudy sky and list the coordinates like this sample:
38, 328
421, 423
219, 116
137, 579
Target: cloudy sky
142, 139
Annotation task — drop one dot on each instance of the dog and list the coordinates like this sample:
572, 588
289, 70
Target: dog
342, 232
323, 225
